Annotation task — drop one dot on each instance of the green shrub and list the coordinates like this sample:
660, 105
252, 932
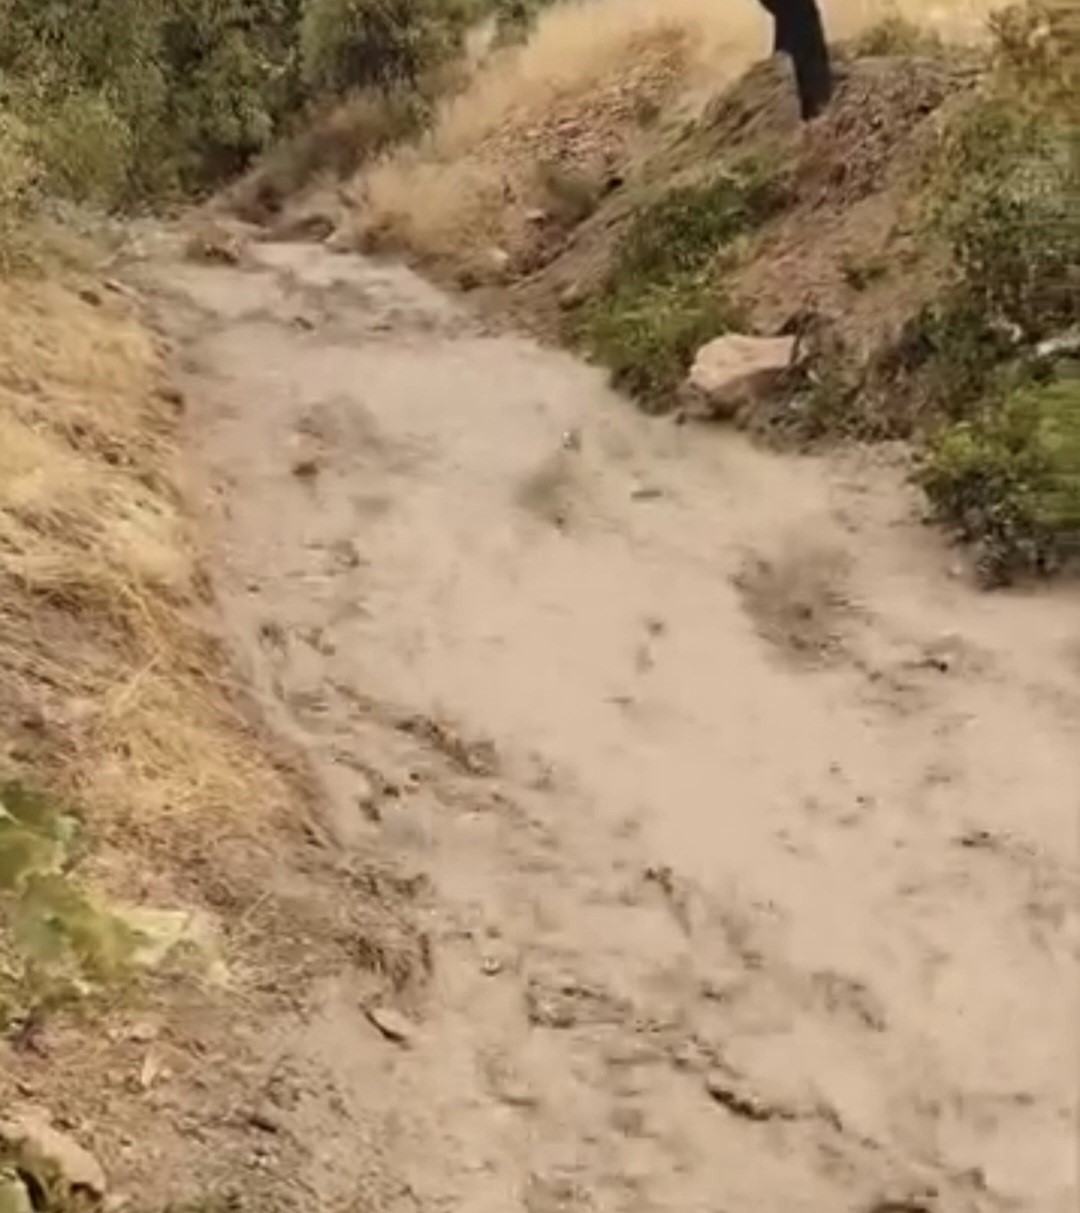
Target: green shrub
348, 44
515, 20
647, 334
1008, 209
661, 300
85, 148
1009, 479
683, 230
19, 175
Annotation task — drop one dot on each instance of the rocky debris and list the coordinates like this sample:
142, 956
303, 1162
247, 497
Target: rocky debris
733, 1093
392, 1024
562, 1001
51, 1157
735, 370
214, 245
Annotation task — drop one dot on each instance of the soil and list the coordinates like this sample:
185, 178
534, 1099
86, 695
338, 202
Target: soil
691, 834
851, 249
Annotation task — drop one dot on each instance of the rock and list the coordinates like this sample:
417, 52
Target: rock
735, 370
305, 468
571, 296
1062, 343
392, 1024
30, 1133
90, 296
264, 1120
536, 216
115, 287
497, 263
14, 1197
734, 1094
172, 395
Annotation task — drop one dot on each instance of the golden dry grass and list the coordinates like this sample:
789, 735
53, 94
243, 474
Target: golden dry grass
460, 188
108, 693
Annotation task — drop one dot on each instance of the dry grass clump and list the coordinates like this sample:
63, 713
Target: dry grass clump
107, 690
589, 77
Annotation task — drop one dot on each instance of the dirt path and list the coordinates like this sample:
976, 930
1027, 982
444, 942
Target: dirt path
745, 834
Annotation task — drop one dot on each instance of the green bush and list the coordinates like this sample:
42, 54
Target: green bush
662, 300
647, 334
130, 99
347, 44
683, 230
85, 148
1008, 208
1009, 479
19, 175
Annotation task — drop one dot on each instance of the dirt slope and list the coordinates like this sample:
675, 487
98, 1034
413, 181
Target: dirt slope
742, 831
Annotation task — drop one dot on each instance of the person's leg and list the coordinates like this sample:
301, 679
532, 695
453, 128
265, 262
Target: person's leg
800, 34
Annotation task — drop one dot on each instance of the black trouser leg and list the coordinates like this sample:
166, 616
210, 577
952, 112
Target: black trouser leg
801, 34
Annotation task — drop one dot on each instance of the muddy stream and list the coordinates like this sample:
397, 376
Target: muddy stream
750, 854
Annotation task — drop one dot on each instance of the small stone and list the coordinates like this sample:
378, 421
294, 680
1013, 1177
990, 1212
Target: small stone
90, 296
305, 468
143, 1033
646, 492
78, 1168
571, 296
736, 1096
536, 216
392, 1024
264, 1120
171, 394
497, 261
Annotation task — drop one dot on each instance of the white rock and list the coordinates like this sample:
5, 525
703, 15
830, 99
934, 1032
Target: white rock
392, 1024
30, 1131
735, 370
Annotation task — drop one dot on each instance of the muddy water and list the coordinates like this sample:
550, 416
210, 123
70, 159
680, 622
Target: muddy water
754, 876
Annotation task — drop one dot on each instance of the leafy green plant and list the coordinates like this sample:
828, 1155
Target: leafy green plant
19, 175
683, 229
1009, 479
647, 334
53, 939
1007, 206
662, 300
348, 44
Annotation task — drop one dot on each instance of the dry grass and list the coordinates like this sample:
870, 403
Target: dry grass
107, 690
581, 86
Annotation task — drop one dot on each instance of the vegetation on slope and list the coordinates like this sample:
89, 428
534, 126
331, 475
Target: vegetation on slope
131, 99
997, 353
663, 297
